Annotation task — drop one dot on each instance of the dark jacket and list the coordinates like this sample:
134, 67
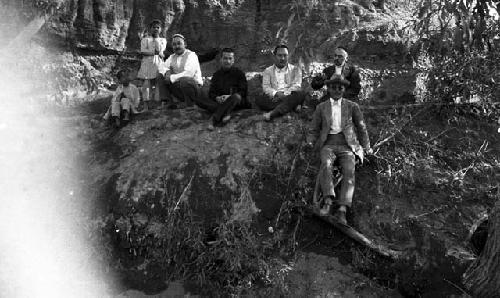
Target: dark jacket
350, 73
229, 81
352, 123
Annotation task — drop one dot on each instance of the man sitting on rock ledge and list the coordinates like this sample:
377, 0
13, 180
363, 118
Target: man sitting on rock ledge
336, 127
282, 84
180, 74
228, 90
341, 67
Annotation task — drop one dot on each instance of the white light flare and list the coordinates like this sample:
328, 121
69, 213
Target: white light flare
44, 251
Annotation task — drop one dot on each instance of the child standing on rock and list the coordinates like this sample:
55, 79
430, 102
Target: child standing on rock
152, 48
125, 100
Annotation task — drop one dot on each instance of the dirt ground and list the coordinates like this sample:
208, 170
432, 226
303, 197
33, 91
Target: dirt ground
424, 209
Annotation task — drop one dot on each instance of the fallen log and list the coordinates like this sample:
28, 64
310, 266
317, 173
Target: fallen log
357, 236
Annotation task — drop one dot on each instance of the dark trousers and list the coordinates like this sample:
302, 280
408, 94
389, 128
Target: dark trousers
347, 162
219, 109
281, 106
184, 89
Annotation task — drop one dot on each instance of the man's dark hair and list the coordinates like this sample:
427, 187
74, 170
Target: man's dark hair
155, 22
281, 46
227, 50
121, 73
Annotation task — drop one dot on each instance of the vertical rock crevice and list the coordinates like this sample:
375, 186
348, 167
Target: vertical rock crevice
134, 33
258, 21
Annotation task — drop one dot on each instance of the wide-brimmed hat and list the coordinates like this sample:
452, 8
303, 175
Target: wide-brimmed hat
337, 79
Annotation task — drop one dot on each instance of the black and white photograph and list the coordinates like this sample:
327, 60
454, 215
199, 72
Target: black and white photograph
249, 148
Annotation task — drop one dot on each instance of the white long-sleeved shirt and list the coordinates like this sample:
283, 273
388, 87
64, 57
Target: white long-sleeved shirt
292, 79
191, 68
280, 78
336, 126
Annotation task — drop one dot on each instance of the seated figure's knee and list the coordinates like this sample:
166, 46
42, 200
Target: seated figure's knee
327, 157
349, 180
348, 171
236, 97
327, 162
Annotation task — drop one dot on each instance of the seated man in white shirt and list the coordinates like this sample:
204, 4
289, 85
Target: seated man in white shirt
282, 84
180, 74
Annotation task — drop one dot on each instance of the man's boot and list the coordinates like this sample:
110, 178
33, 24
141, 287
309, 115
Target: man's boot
326, 207
126, 116
340, 215
116, 121
226, 119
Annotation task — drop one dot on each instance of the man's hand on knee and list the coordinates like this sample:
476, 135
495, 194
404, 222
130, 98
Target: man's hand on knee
167, 79
279, 95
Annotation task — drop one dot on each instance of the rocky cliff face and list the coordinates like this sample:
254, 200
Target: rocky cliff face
167, 163
95, 33
252, 27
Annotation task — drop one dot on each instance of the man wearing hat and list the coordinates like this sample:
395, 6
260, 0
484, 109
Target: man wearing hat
336, 127
340, 67
180, 74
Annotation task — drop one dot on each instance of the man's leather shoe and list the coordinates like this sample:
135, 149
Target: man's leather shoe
326, 207
340, 217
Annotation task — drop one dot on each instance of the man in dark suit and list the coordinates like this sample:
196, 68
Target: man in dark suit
228, 91
341, 67
336, 127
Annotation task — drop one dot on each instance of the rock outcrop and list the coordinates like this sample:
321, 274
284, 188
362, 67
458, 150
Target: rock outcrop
250, 170
252, 27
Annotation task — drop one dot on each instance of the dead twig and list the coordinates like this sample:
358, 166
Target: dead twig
396, 131
414, 105
460, 174
438, 135
457, 287
184, 195
340, 242
294, 162
295, 232
475, 225
437, 209
310, 242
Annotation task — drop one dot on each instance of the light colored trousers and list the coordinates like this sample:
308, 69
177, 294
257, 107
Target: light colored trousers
347, 162
118, 106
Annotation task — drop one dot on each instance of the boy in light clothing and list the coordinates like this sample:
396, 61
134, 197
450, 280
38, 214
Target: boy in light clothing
125, 100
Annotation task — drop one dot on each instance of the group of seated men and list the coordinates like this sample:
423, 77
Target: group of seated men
181, 78
337, 131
